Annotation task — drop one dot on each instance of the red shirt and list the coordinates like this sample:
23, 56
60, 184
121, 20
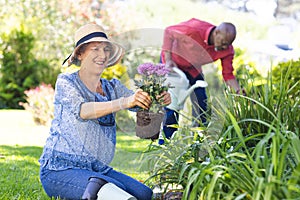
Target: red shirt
188, 44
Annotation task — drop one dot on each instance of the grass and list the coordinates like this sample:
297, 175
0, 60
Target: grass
19, 167
128, 156
20, 173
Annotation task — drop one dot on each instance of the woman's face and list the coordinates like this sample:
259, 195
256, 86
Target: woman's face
95, 56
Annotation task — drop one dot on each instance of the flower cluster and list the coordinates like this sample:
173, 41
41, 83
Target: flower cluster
40, 103
153, 82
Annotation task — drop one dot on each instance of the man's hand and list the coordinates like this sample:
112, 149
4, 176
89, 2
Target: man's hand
242, 91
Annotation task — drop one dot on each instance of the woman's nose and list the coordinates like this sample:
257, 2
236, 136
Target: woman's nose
101, 53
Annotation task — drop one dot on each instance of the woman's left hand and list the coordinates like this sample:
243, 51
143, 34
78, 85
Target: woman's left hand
164, 98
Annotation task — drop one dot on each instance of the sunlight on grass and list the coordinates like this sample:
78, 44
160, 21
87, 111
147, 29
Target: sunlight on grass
20, 173
128, 156
132, 143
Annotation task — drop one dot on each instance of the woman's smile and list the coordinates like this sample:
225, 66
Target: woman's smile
101, 63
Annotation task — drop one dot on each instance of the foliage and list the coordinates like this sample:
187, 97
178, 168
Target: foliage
20, 69
152, 81
288, 72
116, 71
256, 155
52, 23
276, 97
245, 70
40, 103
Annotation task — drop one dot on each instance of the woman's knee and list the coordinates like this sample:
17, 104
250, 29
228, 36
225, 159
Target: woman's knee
92, 188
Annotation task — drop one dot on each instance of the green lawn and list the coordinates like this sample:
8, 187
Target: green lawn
19, 167
19, 173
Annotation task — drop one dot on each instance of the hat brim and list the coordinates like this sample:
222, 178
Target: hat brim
115, 56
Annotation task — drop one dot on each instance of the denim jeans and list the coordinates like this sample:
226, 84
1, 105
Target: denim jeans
199, 103
71, 183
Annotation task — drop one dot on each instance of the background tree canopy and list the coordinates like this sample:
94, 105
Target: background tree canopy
53, 22
50, 25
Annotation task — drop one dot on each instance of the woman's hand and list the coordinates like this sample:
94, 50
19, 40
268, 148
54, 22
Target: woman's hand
164, 98
140, 98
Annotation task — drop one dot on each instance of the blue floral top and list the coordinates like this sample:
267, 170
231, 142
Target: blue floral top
77, 143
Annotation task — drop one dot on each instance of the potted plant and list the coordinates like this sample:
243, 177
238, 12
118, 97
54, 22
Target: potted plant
152, 80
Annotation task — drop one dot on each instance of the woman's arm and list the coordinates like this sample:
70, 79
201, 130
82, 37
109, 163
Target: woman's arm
92, 110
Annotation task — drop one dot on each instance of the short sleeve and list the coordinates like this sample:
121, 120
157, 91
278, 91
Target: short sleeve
67, 94
120, 89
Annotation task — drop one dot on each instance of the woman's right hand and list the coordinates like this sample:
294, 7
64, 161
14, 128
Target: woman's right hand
139, 98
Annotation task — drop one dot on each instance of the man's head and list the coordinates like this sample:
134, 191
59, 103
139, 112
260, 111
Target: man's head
223, 36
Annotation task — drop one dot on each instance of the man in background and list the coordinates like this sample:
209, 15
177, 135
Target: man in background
191, 44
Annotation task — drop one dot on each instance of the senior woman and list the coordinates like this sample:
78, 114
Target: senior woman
81, 145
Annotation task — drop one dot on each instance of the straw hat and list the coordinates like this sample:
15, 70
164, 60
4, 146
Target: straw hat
95, 33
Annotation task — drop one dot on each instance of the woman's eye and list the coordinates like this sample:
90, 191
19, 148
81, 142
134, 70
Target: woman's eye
107, 49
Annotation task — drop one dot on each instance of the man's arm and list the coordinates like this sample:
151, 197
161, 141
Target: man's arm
227, 72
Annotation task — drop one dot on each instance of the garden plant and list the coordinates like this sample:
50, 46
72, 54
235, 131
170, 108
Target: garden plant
254, 156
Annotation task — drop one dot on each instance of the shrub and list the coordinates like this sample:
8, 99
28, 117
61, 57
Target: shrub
116, 71
246, 72
289, 71
20, 70
40, 103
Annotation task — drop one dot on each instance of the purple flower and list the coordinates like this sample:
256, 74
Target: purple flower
152, 81
150, 68
163, 70
146, 69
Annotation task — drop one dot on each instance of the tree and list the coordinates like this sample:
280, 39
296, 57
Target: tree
20, 69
